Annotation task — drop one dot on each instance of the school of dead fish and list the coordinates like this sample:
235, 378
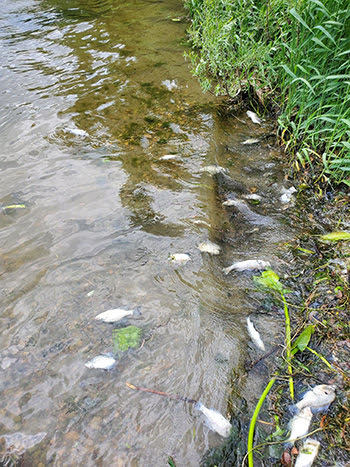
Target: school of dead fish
318, 398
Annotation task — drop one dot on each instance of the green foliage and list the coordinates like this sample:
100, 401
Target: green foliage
125, 338
270, 280
302, 341
335, 236
296, 51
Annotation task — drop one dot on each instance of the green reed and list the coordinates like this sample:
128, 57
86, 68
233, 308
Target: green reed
293, 54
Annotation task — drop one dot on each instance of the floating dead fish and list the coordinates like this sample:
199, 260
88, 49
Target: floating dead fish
179, 258
247, 265
255, 336
200, 222
214, 420
117, 314
287, 194
76, 131
213, 169
209, 247
253, 117
299, 425
253, 196
317, 398
251, 140
231, 202
307, 453
168, 157
102, 362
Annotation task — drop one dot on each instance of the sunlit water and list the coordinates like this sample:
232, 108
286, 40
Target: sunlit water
93, 94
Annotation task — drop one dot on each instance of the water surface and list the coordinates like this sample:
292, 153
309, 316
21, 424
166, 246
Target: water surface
93, 94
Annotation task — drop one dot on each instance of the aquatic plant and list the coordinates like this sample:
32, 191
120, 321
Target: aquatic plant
291, 55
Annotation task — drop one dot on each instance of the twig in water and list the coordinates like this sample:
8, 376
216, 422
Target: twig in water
160, 393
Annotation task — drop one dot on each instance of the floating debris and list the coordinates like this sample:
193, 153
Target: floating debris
213, 169
117, 314
307, 453
287, 194
76, 131
179, 258
209, 247
253, 196
251, 140
255, 336
299, 425
201, 222
168, 157
214, 420
320, 397
253, 117
102, 362
231, 202
14, 206
247, 265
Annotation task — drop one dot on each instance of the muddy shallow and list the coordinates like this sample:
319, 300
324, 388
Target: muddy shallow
93, 95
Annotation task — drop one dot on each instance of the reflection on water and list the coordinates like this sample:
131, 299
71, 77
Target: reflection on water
94, 94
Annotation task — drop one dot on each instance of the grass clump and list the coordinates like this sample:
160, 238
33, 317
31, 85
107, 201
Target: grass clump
293, 55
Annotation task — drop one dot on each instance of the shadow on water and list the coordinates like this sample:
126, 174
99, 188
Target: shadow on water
105, 137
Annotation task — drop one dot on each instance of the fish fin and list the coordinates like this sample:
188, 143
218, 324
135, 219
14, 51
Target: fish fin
198, 405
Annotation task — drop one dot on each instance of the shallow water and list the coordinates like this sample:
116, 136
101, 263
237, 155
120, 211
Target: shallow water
93, 94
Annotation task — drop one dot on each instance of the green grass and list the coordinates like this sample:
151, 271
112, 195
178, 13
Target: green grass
293, 55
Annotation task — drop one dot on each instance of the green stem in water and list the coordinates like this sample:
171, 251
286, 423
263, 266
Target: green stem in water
321, 358
288, 347
253, 422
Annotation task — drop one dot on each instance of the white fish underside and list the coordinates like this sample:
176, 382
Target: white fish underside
113, 316
213, 169
179, 258
209, 247
247, 265
253, 117
102, 362
255, 336
215, 420
307, 453
299, 425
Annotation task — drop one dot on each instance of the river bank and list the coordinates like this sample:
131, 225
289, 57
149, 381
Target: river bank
318, 274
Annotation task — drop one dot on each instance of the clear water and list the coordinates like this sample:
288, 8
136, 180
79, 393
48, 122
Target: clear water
93, 94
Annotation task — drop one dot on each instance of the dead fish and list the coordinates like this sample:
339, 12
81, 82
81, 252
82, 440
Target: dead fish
117, 314
200, 222
231, 202
209, 247
299, 425
213, 169
253, 196
251, 140
307, 453
255, 336
102, 362
287, 194
247, 265
77, 132
179, 258
317, 398
253, 117
214, 420
168, 157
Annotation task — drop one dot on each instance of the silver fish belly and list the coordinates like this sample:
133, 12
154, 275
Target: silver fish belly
209, 247
113, 316
250, 264
215, 420
307, 453
299, 425
255, 336
102, 362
